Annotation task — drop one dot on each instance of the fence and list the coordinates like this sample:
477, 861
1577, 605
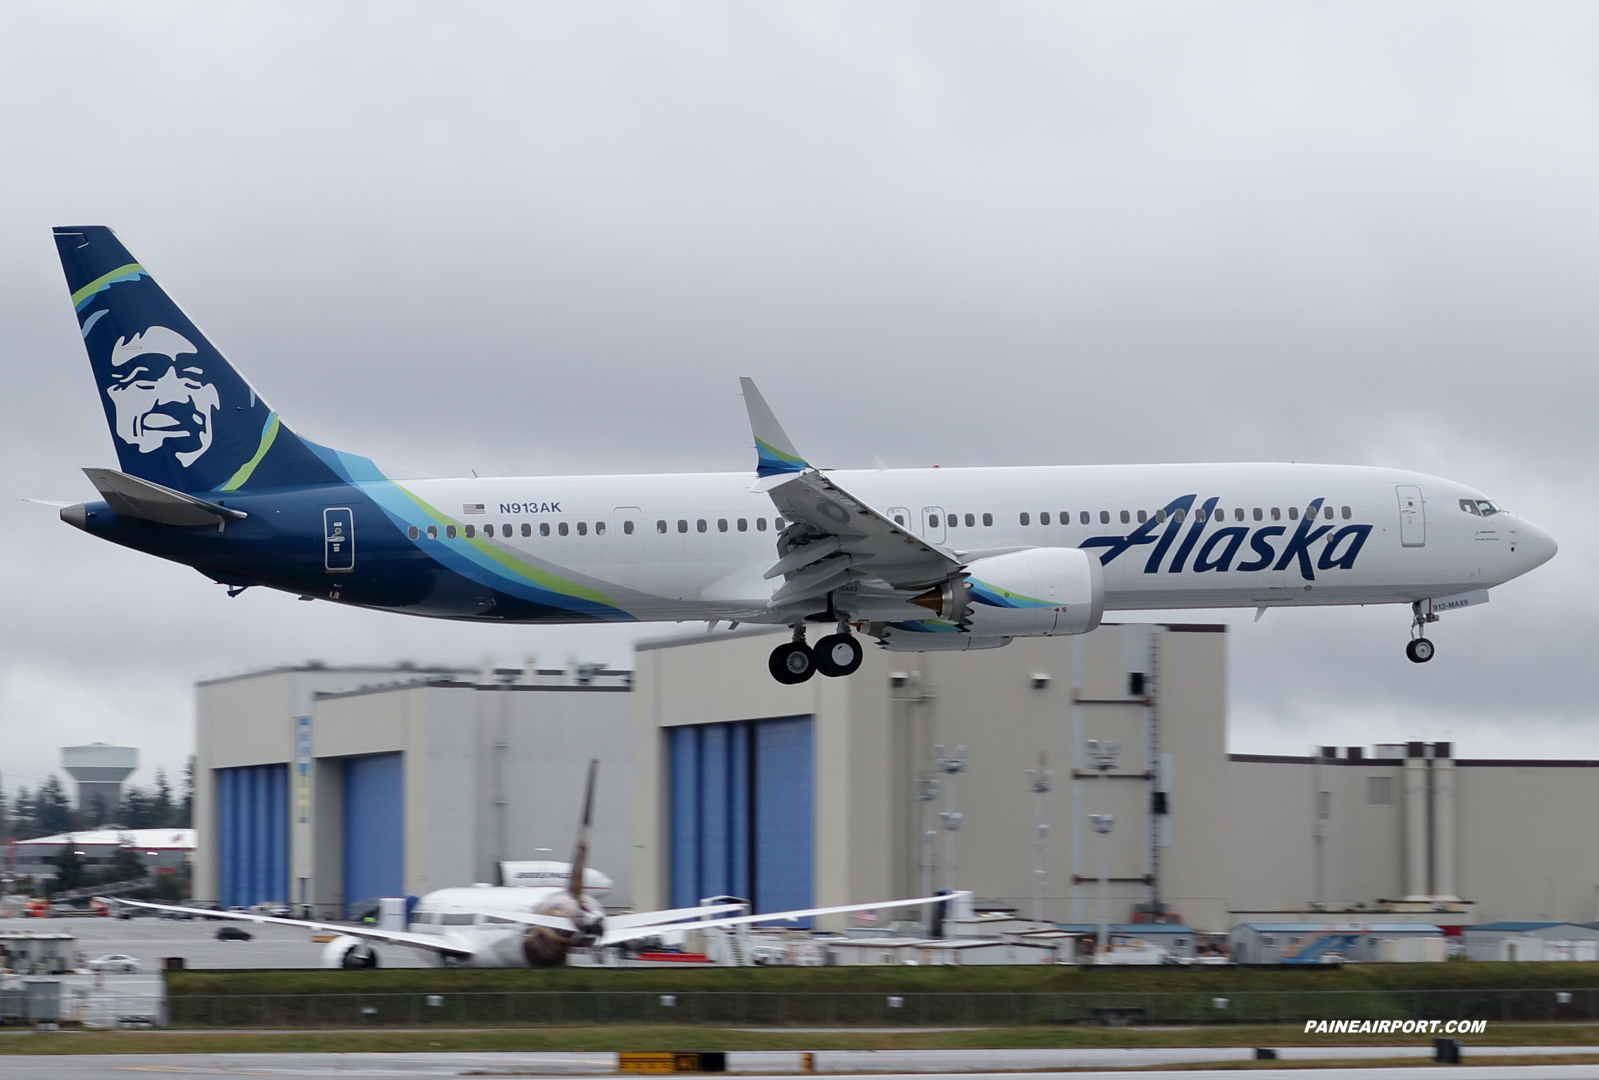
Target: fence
546, 1008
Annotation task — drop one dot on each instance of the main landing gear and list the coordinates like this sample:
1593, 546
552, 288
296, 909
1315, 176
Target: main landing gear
835, 656
1420, 649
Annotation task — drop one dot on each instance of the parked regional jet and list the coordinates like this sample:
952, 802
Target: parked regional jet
919, 559
531, 926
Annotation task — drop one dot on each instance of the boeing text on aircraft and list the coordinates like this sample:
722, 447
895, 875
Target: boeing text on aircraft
918, 559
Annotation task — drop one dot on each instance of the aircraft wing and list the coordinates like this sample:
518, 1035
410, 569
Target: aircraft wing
671, 915
612, 936
840, 538
444, 945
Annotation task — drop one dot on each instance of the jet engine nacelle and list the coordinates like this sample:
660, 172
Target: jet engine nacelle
350, 953
1039, 592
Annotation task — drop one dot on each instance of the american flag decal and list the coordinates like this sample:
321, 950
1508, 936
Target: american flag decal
471, 508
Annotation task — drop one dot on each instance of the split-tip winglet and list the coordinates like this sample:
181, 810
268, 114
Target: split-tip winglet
775, 454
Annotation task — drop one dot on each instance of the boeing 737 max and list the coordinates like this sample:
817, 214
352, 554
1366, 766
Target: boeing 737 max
919, 559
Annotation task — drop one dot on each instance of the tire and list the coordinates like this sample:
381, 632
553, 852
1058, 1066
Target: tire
838, 655
1420, 650
792, 662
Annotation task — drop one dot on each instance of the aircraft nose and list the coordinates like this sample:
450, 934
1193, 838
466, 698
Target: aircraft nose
1533, 545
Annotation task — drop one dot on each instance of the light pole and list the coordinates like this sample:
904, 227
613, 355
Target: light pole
927, 791
1039, 781
951, 764
1102, 756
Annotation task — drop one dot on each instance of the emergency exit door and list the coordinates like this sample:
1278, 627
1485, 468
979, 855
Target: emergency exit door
338, 540
1412, 517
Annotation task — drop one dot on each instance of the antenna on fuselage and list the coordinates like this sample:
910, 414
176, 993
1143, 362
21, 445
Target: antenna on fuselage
580, 850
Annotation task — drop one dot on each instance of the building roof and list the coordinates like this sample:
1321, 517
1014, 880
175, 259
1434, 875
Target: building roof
1126, 928
1514, 925
148, 839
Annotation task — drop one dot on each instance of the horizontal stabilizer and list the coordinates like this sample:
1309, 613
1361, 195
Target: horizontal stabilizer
129, 496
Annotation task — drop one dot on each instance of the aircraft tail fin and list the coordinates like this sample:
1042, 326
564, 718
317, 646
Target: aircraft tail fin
580, 849
180, 415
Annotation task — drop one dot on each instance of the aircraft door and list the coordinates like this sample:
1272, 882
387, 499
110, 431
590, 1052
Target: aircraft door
627, 528
338, 540
932, 524
1412, 516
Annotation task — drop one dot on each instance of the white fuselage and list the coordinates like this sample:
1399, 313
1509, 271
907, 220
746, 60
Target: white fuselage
678, 547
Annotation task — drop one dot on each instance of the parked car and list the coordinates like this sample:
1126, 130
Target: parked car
233, 933
117, 962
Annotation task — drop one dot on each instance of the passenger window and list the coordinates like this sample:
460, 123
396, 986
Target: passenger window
682, 525
743, 524
433, 532
505, 530
988, 520
1327, 512
527, 530
1178, 517
413, 532
760, 524
582, 528
899, 519
1199, 515
1293, 513
1470, 506
1043, 517
561, 528
1346, 513
1238, 513
470, 531
1026, 518
627, 528
1065, 517
1257, 513
488, 530
777, 523
1143, 516
971, 520
1083, 517
1160, 516
952, 521
449, 532
1276, 514
699, 525
544, 528
599, 528
721, 524
660, 526
1126, 517
1104, 517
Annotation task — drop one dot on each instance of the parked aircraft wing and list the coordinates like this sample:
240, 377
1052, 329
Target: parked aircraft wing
839, 538
671, 915
438, 943
613, 936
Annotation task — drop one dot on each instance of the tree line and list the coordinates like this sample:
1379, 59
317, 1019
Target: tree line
47, 810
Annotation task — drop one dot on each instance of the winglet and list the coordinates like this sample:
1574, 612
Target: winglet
775, 455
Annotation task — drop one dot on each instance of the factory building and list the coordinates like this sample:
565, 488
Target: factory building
324, 788
330, 786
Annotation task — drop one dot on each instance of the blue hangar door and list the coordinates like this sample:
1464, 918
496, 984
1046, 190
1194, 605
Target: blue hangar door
374, 830
252, 835
741, 812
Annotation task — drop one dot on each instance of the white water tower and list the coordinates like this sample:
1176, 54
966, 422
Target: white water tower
99, 769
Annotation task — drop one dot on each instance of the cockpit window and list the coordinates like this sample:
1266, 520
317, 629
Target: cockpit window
1480, 507
1470, 506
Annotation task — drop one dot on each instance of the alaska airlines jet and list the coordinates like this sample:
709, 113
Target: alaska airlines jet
918, 559
538, 926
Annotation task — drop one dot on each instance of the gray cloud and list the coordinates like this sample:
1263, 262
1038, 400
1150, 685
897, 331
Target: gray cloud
548, 238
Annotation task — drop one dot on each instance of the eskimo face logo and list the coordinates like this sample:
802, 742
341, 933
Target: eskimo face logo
161, 394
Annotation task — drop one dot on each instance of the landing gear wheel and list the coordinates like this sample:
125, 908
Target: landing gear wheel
792, 662
1420, 651
838, 655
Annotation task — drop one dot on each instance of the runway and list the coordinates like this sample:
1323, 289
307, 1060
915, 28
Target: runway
783, 1065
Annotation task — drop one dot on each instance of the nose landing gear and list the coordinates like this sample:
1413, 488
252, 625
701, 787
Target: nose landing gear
1420, 649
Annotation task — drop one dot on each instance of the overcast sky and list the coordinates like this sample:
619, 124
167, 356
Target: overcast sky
547, 238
